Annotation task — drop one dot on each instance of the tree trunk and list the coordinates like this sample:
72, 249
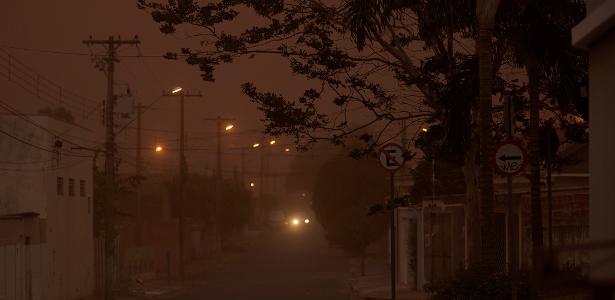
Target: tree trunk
472, 210
485, 71
534, 147
362, 264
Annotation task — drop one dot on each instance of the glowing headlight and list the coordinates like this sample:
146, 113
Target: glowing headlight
306, 221
295, 222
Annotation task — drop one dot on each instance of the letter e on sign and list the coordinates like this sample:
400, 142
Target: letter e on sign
391, 157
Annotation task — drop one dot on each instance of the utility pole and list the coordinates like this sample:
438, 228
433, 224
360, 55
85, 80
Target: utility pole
261, 188
243, 165
218, 174
112, 45
139, 175
181, 176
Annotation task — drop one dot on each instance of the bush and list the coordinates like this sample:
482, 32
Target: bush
480, 283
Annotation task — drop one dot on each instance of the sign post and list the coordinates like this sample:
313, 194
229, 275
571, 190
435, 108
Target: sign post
392, 158
510, 159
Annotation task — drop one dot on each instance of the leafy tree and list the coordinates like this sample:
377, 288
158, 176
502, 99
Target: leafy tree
344, 192
230, 215
394, 60
345, 49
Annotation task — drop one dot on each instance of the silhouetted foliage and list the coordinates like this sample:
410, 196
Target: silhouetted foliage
344, 192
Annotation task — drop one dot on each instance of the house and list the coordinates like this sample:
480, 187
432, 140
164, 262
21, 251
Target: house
46, 209
596, 33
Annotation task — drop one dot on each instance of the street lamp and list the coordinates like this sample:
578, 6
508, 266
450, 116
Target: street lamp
424, 129
256, 145
272, 142
158, 148
229, 127
176, 90
252, 184
287, 150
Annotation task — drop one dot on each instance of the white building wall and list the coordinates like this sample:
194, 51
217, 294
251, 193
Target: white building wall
67, 263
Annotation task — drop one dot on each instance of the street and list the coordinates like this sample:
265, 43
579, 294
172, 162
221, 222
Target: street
285, 264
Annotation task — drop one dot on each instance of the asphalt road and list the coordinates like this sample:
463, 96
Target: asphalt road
286, 265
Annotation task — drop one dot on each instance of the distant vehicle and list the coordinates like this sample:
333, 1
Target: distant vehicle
298, 219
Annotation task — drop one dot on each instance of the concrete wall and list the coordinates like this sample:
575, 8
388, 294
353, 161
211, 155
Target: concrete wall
29, 184
602, 150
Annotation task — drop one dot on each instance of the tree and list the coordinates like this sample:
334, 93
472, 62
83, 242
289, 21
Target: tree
345, 191
396, 60
539, 39
485, 15
344, 49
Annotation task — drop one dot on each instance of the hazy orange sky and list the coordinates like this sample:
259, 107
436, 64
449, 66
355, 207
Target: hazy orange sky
62, 25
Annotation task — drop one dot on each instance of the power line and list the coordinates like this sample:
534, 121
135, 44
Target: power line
29, 120
77, 53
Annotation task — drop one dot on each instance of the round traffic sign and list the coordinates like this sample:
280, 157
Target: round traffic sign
509, 158
391, 157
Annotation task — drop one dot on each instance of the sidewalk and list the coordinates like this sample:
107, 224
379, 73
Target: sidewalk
152, 286
376, 284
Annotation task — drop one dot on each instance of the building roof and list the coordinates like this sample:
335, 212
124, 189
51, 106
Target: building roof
596, 24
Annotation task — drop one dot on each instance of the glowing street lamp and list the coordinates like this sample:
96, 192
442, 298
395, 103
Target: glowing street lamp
229, 127
287, 150
272, 142
256, 145
158, 148
424, 129
176, 90
252, 184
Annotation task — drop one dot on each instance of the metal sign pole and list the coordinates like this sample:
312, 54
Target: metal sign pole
393, 252
512, 241
392, 158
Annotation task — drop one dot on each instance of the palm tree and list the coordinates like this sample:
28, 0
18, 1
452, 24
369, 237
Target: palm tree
538, 34
485, 13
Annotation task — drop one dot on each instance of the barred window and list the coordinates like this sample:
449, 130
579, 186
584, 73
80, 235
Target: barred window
82, 188
60, 186
71, 187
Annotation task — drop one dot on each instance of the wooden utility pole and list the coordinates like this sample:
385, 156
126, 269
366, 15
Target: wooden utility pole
139, 175
218, 175
112, 45
181, 177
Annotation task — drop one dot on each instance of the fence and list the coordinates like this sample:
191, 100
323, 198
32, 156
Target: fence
100, 266
21, 272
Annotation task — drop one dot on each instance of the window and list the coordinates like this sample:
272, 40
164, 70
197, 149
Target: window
71, 187
60, 186
82, 188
